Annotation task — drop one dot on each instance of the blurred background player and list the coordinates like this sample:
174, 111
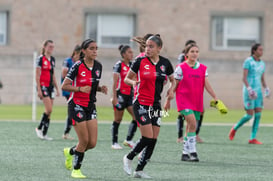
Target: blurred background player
142, 43
191, 79
122, 97
85, 76
254, 80
46, 82
180, 118
150, 71
67, 64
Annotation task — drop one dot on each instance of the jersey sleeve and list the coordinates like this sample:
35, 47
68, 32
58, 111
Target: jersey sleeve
206, 74
135, 65
117, 67
178, 74
246, 64
169, 70
71, 75
39, 62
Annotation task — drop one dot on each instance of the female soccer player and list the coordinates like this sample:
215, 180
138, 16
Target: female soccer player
85, 76
122, 97
191, 79
180, 118
67, 64
46, 82
150, 71
253, 79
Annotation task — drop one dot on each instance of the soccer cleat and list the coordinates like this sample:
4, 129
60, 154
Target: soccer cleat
45, 137
116, 146
67, 137
39, 133
232, 133
141, 174
192, 157
77, 174
198, 139
127, 165
68, 159
131, 144
255, 141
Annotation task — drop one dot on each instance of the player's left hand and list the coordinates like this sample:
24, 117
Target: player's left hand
170, 94
267, 92
167, 105
104, 89
58, 93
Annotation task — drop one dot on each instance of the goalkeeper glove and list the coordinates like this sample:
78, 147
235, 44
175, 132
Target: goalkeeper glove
251, 93
267, 92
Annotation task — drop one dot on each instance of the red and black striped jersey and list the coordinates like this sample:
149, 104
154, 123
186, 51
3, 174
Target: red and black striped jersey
47, 70
122, 69
151, 77
81, 75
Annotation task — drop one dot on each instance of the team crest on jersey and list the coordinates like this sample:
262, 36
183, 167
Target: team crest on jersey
162, 68
97, 72
79, 115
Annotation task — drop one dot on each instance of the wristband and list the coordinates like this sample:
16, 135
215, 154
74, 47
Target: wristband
79, 89
249, 88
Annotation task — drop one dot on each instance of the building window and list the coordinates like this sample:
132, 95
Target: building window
3, 27
110, 30
235, 33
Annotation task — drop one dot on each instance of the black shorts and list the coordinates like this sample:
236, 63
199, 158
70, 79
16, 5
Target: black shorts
124, 101
147, 114
79, 113
48, 91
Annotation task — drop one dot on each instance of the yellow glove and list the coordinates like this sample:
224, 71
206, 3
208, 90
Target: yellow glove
219, 105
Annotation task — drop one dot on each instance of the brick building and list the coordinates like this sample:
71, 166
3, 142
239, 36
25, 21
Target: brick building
224, 31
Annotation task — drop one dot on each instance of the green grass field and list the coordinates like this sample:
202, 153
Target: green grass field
25, 157
21, 112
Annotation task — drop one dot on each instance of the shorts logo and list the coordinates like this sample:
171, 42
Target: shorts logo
97, 73
142, 110
120, 99
45, 93
83, 74
79, 115
187, 110
142, 118
147, 67
158, 121
162, 68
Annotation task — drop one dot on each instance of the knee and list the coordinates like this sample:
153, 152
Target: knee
82, 145
92, 145
48, 111
118, 120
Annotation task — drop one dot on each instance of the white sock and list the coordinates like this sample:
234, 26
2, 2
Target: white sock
192, 144
185, 147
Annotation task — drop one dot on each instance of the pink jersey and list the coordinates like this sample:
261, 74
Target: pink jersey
190, 90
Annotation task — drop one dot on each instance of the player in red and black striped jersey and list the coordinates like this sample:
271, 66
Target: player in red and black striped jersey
84, 77
122, 97
150, 71
46, 82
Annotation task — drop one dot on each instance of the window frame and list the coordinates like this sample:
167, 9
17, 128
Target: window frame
6, 33
225, 16
97, 12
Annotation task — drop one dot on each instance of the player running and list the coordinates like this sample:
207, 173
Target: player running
150, 72
180, 118
46, 82
253, 79
122, 97
191, 79
83, 81
67, 64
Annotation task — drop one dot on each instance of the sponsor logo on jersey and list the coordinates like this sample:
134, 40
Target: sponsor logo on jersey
45, 62
83, 74
125, 68
147, 67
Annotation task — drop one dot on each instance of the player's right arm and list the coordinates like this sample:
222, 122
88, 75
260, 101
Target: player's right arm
130, 78
245, 77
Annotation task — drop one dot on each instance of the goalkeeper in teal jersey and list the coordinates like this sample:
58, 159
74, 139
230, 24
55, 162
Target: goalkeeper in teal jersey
254, 80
